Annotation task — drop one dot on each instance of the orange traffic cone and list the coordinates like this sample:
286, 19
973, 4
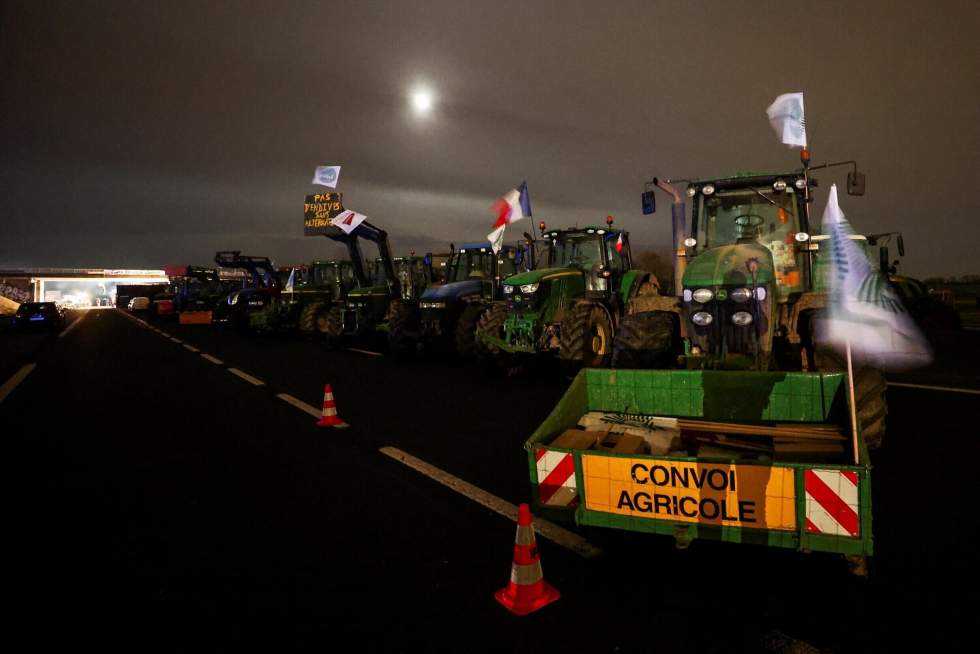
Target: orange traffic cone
527, 591
330, 417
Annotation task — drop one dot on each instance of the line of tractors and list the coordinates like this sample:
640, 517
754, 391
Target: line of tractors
748, 286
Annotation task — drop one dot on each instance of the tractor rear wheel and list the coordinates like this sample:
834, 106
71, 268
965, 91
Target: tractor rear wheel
869, 394
646, 340
307, 318
586, 339
330, 323
403, 327
466, 326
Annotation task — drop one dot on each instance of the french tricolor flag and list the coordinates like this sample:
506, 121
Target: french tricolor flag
515, 205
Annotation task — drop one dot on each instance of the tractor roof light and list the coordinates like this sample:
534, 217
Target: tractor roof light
691, 191
779, 185
802, 237
800, 183
760, 293
690, 242
590, 231
600, 231
687, 295
742, 318
702, 318
708, 189
703, 295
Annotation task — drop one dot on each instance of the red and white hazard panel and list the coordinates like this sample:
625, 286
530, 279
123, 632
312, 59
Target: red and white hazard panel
832, 502
556, 478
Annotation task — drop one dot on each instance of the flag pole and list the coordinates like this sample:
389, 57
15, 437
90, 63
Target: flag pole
850, 389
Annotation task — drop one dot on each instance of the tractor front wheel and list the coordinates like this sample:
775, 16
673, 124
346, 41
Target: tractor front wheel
586, 339
403, 327
307, 319
646, 340
466, 326
330, 324
490, 356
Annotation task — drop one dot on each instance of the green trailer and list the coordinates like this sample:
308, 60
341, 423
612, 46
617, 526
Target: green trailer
806, 502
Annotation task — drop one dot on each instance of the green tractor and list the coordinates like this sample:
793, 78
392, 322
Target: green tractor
385, 298
317, 287
749, 287
570, 305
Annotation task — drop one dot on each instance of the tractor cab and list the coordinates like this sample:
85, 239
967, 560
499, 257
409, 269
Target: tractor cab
602, 254
413, 275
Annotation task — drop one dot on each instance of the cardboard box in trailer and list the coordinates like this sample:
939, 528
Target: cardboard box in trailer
743, 457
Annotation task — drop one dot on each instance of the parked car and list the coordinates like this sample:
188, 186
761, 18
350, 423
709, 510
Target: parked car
41, 315
139, 303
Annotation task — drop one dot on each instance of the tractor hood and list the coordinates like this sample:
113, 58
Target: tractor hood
453, 290
728, 266
535, 276
365, 291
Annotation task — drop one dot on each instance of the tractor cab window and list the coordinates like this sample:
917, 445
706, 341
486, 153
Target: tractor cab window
582, 251
376, 272
507, 262
472, 263
412, 277
745, 214
325, 275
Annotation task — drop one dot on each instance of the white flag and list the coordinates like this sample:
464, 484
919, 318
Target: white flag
786, 116
291, 282
864, 309
326, 175
348, 220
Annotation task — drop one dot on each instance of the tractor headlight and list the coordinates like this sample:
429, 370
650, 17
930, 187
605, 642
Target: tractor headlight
687, 295
529, 288
702, 318
742, 318
233, 298
508, 289
433, 305
741, 294
703, 295
779, 185
708, 189
760, 293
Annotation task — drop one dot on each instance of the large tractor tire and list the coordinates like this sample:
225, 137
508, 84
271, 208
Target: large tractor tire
329, 324
403, 327
869, 394
586, 339
465, 333
646, 340
307, 318
491, 357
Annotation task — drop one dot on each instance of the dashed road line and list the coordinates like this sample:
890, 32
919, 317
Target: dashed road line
165, 334
549, 530
247, 377
299, 404
214, 360
191, 348
72, 325
946, 389
354, 349
15, 379
176, 340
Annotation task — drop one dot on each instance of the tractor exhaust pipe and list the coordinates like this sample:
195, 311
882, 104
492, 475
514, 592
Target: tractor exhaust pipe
678, 219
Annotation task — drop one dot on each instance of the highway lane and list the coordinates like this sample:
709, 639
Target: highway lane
202, 502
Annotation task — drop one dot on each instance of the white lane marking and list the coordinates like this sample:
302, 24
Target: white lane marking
176, 340
191, 348
299, 404
947, 389
354, 349
165, 334
212, 359
247, 377
73, 325
19, 376
549, 530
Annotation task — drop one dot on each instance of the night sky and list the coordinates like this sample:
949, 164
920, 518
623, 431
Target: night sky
144, 134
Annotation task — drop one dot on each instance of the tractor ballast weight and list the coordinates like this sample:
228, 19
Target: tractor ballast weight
751, 287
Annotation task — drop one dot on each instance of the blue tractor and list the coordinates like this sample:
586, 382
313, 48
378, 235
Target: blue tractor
451, 311
264, 288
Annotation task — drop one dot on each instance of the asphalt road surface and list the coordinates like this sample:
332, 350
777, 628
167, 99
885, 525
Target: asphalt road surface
161, 500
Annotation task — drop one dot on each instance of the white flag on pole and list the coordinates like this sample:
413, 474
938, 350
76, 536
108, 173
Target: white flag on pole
786, 117
864, 309
291, 282
348, 220
326, 175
